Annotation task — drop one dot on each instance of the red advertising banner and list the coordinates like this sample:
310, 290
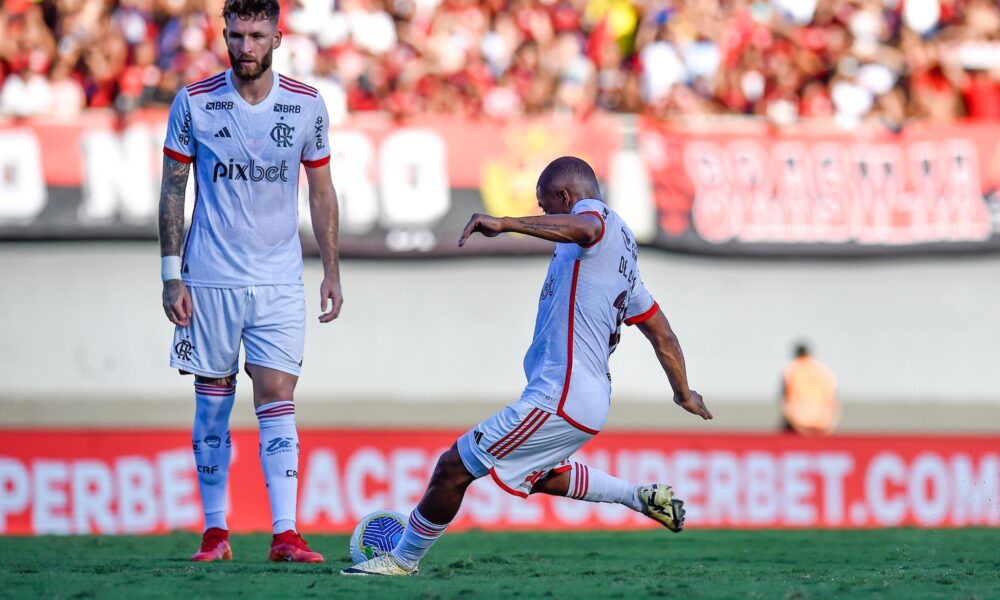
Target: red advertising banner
747, 188
404, 187
115, 482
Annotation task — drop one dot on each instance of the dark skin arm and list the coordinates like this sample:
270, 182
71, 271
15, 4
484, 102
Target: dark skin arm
577, 229
176, 300
668, 351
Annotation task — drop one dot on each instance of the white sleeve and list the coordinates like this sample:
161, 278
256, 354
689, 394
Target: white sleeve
180, 143
316, 152
597, 208
641, 305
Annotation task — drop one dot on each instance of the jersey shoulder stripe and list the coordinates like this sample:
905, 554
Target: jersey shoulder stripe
296, 88
297, 83
206, 83
208, 88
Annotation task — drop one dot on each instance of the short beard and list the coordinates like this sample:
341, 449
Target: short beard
250, 73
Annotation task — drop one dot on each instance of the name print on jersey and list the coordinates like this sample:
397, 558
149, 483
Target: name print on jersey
220, 105
250, 171
318, 132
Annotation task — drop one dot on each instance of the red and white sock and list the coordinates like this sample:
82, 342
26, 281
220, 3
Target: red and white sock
279, 458
212, 448
593, 485
418, 537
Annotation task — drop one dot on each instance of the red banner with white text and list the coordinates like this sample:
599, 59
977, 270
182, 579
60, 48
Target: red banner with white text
750, 189
115, 482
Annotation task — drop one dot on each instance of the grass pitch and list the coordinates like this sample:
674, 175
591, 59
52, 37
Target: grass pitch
903, 563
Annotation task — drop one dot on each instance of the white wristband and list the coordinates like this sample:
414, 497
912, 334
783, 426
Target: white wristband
170, 268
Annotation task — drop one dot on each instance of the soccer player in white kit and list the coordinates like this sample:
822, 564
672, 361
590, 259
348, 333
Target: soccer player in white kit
238, 277
592, 287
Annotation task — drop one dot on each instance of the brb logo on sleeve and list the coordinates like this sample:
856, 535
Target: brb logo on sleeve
250, 171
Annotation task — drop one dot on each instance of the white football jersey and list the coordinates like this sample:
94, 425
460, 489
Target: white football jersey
245, 228
588, 293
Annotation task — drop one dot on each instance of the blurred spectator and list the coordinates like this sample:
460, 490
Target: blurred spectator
846, 61
810, 395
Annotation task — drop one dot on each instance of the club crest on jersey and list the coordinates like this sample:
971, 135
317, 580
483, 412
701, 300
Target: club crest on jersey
282, 135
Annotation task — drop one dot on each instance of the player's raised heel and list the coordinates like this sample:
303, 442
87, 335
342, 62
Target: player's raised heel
659, 504
380, 565
214, 546
288, 546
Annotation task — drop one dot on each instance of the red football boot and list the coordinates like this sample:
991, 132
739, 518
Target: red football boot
214, 546
288, 546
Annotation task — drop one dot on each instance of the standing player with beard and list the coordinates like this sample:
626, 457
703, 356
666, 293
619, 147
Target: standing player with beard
239, 277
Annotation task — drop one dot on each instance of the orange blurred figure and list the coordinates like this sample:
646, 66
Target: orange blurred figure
810, 389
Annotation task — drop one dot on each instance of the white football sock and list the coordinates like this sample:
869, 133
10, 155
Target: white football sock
279, 458
593, 485
418, 537
212, 448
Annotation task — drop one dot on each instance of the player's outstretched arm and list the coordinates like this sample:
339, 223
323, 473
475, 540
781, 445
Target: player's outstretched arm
326, 224
176, 300
668, 350
577, 229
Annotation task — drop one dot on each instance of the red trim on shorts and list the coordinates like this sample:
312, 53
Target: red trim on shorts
512, 432
644, 316
603, 228
562, 469
569, 354
319, 162
527, 434
181, 158
504, 486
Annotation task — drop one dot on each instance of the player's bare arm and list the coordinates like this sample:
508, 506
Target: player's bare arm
176, 300
325, 221
668, 351
576, 229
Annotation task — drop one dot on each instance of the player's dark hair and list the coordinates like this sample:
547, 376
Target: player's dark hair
801, 349
570, 171
252, 9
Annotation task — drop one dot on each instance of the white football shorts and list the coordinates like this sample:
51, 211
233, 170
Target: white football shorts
270, 320
520, 445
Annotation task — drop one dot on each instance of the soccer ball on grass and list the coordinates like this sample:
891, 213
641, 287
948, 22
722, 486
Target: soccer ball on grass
376, 534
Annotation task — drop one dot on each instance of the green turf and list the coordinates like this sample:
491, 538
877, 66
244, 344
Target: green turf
695, 564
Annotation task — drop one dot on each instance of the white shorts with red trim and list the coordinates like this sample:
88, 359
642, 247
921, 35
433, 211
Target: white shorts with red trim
520, 445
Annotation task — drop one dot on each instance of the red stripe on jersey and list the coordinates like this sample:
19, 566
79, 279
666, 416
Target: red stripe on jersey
505, 487
569, 354
296, 83
206, 90
562, 469
603, 227
520, 426
319, 162
296, 90
527, 434
207, 82
181, 158
644, 316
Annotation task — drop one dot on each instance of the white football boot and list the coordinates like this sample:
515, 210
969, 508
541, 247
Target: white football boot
659, 504
380, 565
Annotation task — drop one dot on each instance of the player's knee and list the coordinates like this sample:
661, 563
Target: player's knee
451, 471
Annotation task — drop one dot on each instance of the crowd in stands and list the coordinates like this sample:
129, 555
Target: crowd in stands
848, 61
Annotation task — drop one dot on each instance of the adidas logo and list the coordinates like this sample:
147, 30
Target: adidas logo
223, 133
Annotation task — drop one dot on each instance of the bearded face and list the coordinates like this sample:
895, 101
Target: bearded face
250, 43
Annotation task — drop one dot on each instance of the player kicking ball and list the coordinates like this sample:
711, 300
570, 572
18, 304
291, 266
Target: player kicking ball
592, 287
240, 279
